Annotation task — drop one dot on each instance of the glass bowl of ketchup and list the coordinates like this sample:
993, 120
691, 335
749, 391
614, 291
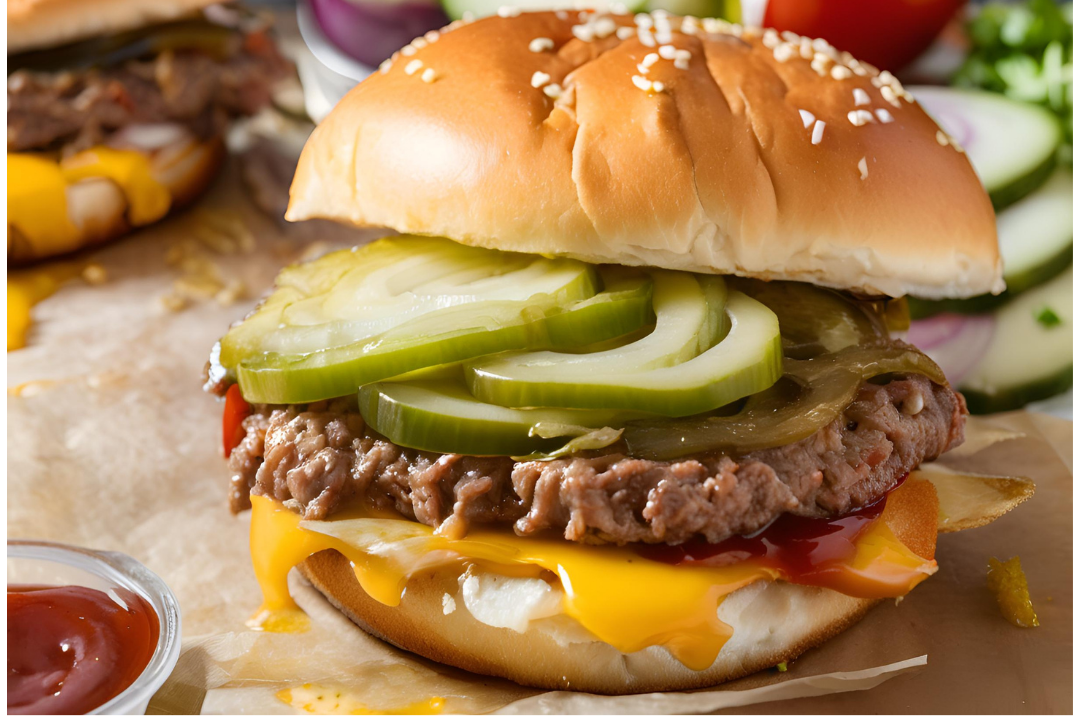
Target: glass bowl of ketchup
89, 632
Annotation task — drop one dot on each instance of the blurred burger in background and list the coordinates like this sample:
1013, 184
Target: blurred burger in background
117, 109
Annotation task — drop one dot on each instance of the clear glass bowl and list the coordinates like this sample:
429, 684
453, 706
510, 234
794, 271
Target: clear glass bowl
35, 562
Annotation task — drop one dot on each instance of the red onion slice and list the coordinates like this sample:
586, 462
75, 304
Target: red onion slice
371, 31
955, 342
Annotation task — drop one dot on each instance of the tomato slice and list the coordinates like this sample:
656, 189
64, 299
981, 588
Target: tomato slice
232, 421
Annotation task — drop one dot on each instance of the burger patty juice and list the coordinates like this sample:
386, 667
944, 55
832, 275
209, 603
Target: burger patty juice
109, 132
625, 408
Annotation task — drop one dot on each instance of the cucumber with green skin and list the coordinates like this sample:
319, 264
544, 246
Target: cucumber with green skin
358, 295
448, 336
1012, 145
745, 362
441, 416
1028, 359
1035, 236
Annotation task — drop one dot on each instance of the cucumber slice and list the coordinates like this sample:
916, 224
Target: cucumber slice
687, 322
456, 9
448, 336
746, 361
441, 416
1012, 145
354, 295
1035, 235
1028, 359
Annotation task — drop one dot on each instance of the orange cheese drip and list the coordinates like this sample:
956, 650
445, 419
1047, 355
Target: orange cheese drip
622, 598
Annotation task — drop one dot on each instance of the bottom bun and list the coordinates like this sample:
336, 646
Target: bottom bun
98, 208
772, 621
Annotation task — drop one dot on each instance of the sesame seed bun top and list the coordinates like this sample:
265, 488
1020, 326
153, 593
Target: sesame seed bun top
661, 141
36, 24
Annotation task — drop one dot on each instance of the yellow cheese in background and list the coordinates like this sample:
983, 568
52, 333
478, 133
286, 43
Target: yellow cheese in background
37, 204
26, 288
148, 200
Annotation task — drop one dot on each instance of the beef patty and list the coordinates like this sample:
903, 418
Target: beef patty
314, 458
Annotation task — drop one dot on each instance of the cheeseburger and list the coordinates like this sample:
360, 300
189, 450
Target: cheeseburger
623, 407
116, 110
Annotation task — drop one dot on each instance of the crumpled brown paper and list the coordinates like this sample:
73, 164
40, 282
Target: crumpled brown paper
112, 444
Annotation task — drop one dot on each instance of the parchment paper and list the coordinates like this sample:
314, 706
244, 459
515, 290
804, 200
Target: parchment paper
112, 444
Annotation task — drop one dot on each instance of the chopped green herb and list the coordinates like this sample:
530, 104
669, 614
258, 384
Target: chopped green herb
1047, 317
782, 667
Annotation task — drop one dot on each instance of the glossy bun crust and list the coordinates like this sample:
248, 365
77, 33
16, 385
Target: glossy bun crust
714, 169
772, 622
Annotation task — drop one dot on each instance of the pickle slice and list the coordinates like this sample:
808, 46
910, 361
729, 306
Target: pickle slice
687, 322
447, 336
441, 416
745, 362
811, 394
355, 295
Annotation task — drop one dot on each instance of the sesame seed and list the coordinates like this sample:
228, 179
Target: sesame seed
942, 138
604, 26
431, 35
806, 48
682, 63
664, 36
583, 15
819, 132
642, 68
562, 14
625, 32
858, 118
539, 78
641, 82
861, 98
784, 52
839, 72
890, 95
645, 38
413, 66
859, 70
650, 60
770, 39
540, 44
583, 32
643, 20
658, 86
428, 75
790, 36
553, 91
384, 66
907, 96
509, 11
682, 55
419, 43
667, 52
408, 50
863, 171
821, 45
884, 115
689, 25
807, 118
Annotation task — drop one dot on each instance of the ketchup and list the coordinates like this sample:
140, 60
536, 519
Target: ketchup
807, 550
70, 649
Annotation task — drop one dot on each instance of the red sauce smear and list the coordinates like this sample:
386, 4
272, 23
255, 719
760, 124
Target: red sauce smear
808, 551
71, 649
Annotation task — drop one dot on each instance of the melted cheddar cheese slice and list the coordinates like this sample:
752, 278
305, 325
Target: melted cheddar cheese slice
37, 194
621, 598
